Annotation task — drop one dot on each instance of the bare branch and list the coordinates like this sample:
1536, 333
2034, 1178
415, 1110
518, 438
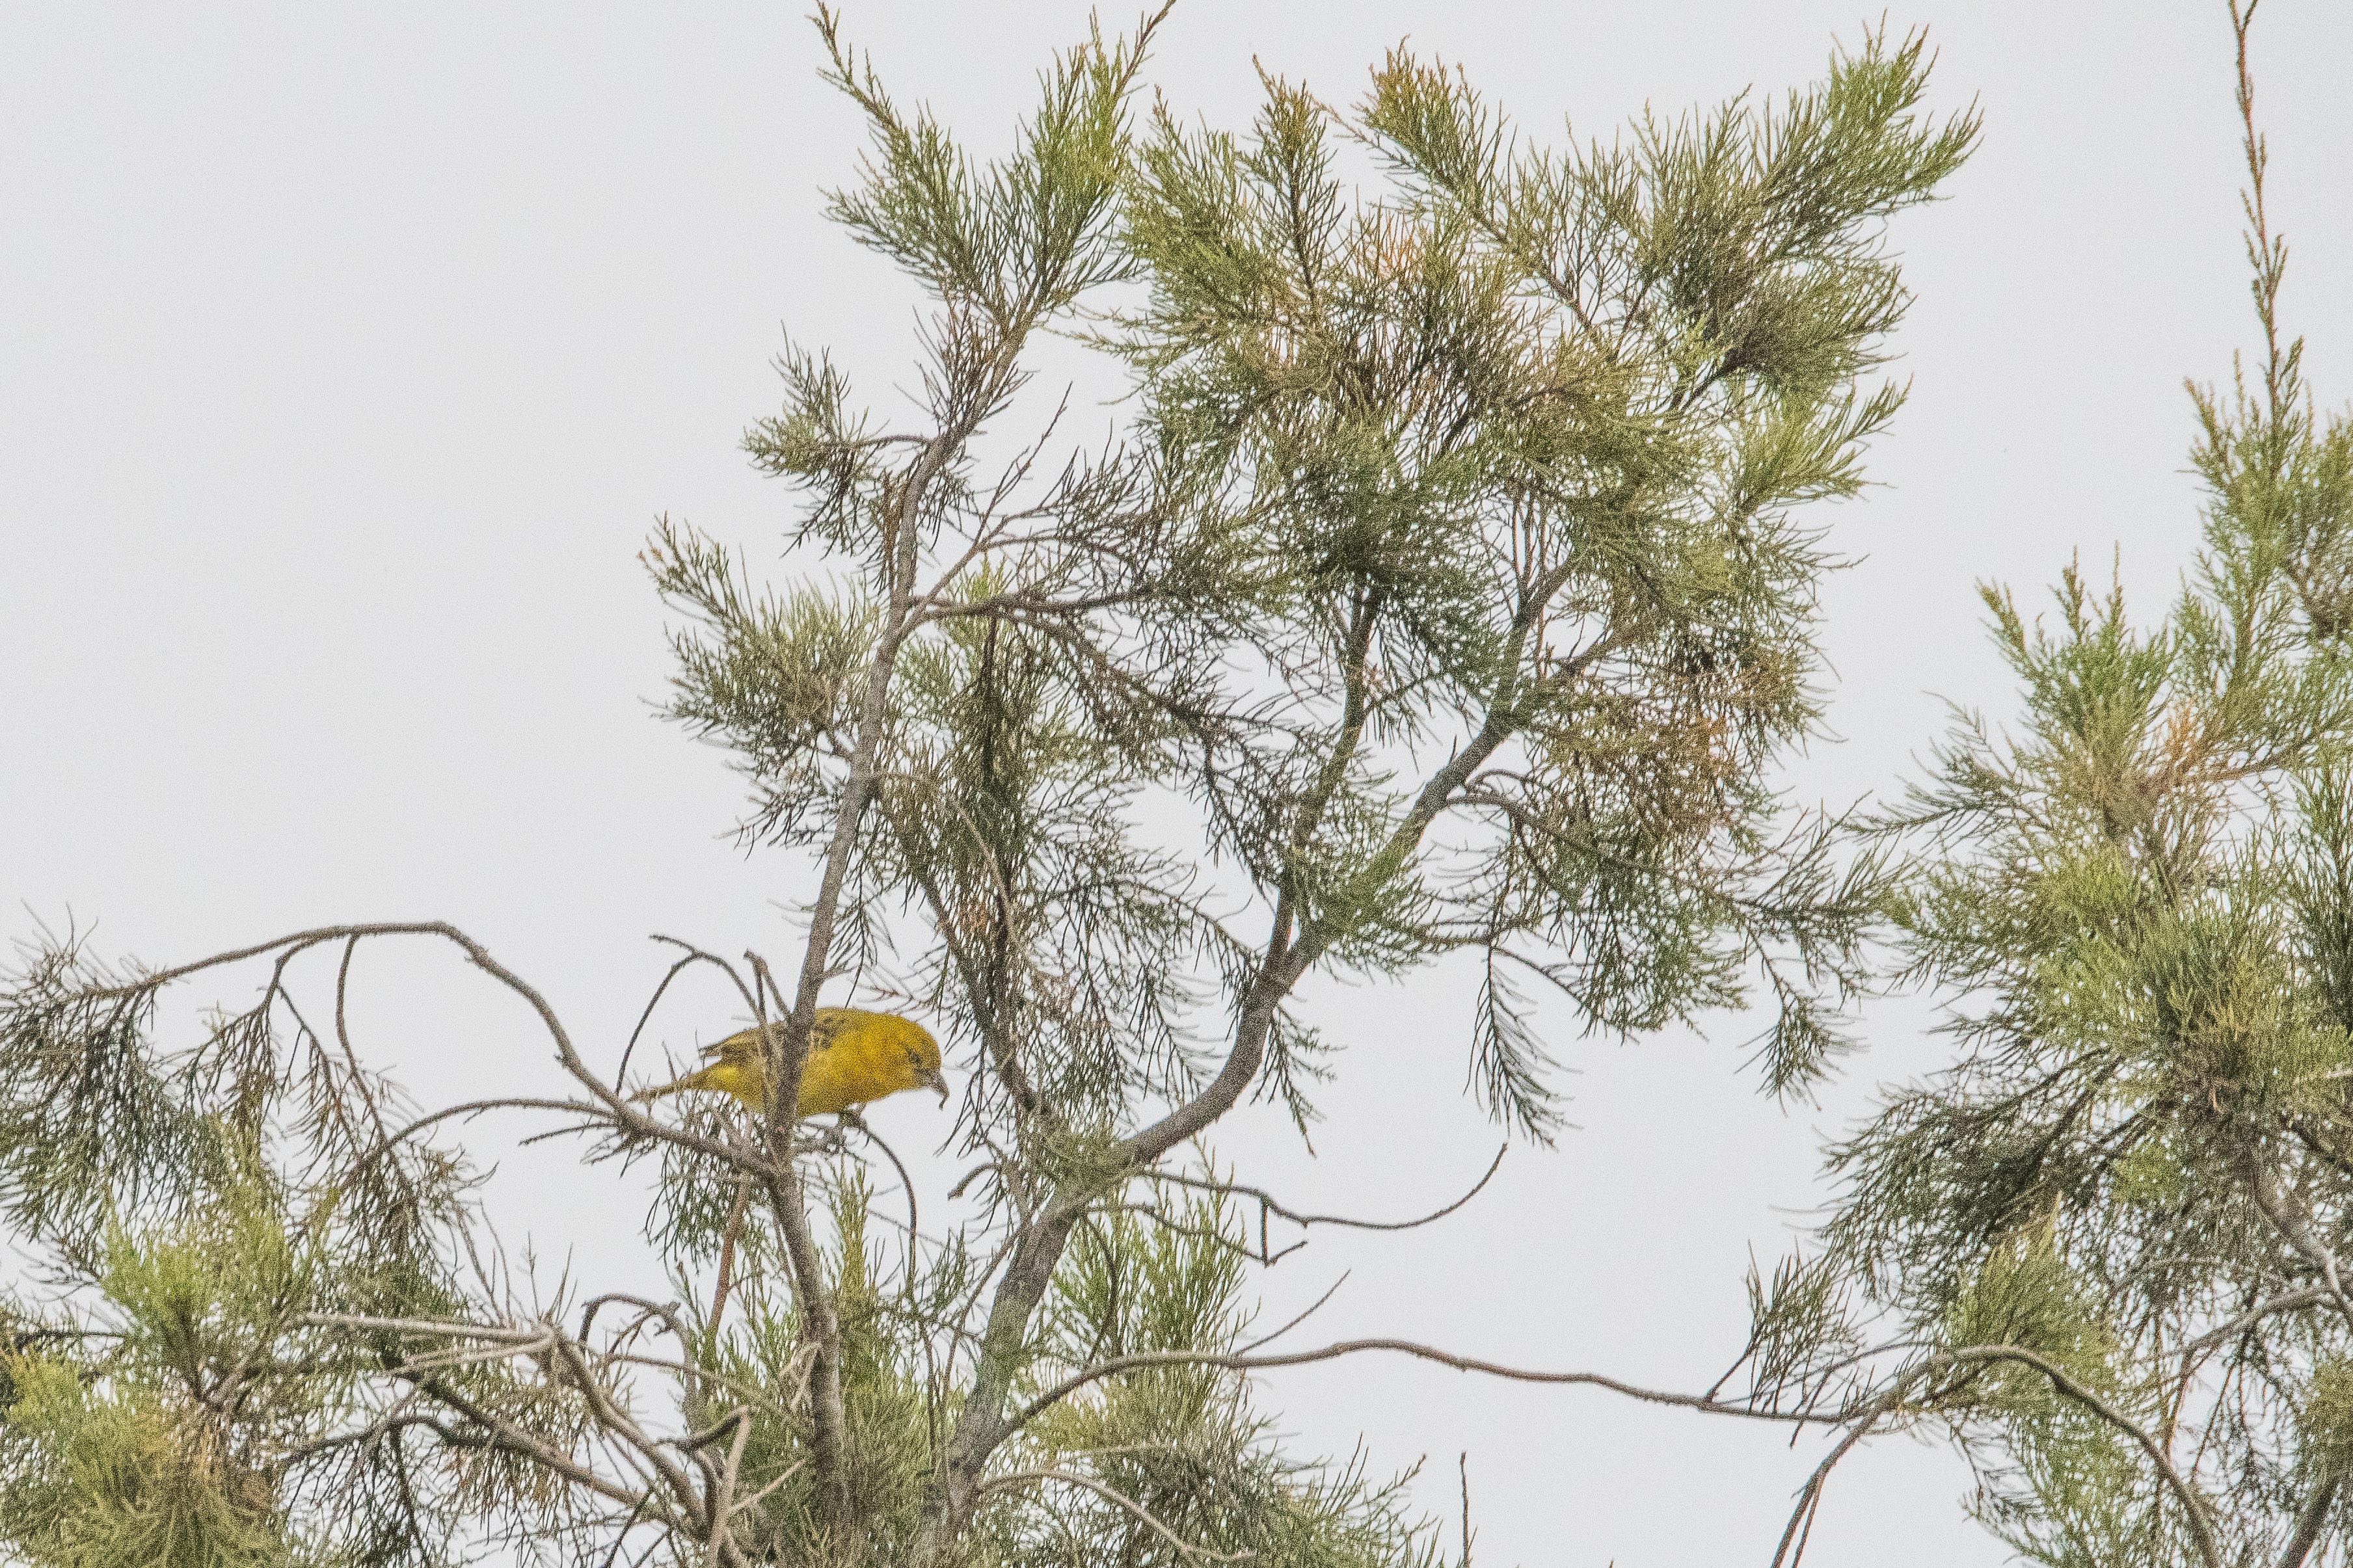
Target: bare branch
1269, 1203
1146, 1360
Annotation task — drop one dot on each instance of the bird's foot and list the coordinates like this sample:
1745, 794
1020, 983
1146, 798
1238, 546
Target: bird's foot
828, 1140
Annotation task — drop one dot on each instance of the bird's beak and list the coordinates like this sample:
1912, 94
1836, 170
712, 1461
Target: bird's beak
938, 1081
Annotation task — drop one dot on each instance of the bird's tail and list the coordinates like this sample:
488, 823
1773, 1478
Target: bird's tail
691, 1080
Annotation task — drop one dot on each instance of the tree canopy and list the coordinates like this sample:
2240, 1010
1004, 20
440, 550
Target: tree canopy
1449, 591
2103, 1249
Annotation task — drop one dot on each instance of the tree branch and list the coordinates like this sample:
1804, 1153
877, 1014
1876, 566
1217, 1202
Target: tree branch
1069, 1477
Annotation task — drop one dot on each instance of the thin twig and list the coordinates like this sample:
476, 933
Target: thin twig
1070, 1477
1269, 1203
621, 1073
727, 1253
1316, 1306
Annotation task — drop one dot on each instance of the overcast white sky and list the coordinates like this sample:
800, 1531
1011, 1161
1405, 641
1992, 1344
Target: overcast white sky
347, 352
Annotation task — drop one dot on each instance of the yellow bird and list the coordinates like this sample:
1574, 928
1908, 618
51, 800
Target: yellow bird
854, 1056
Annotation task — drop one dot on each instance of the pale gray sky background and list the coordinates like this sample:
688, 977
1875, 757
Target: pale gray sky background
346, 352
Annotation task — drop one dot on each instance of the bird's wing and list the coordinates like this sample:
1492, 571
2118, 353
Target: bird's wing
744, 1044
740, 1047
827, 1027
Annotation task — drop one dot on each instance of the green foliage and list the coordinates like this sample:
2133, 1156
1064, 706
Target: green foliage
1523, 443
2136, 1167
92, 1480
86, 1119
2325, 1421
887, 1404
193, 1214
2025, 1296
781, 683
1183, 1442
1019, 239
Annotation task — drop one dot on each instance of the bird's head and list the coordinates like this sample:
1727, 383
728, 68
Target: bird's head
916, 1056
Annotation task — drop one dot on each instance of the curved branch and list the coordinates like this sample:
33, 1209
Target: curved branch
1801, 1528
1314, 1307
851, 1119
621, 1073
2291, 1301
609, 1103
2193, 1503
1243, 1362
1269, 1203
1023, 1477
2297, 1231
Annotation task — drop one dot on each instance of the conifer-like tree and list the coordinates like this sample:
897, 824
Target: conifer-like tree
1449, 592
2108, 1250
